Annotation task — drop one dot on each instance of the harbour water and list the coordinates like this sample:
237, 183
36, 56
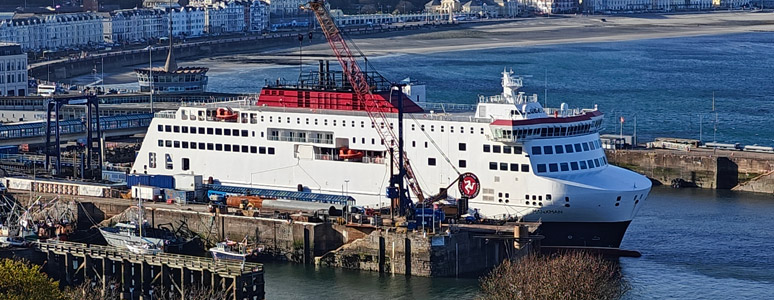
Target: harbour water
696, 244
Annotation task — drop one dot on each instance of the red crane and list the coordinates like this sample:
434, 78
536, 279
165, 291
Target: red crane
364, 100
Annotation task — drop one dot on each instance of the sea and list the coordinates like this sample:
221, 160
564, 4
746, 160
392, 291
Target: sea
695, 244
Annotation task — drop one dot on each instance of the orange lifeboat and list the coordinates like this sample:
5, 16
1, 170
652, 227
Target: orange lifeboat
345, 153
226, 114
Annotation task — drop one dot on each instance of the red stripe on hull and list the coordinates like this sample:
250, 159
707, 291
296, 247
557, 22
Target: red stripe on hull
330, 100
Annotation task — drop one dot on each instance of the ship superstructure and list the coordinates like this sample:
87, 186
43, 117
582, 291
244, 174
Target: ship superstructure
533, 163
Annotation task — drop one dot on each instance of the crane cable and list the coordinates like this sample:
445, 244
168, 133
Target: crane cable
436, 146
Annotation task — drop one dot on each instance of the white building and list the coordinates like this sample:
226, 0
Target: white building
187, 21
224, 17
13, 70
135, 25
286, 7
53, 31
646, 5
259, 16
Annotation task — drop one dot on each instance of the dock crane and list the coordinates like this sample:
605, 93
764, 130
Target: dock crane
364, 100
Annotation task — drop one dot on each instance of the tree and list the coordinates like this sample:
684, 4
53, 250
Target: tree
575, 275
20, 280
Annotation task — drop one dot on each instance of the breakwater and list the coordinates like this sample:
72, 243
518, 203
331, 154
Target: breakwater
705, 168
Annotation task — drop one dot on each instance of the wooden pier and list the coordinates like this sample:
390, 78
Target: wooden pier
136, 275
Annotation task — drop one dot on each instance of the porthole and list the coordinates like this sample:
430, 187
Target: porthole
566, 205
534, 203
617, 204
540, 203
618, 199
507, 201
566, 199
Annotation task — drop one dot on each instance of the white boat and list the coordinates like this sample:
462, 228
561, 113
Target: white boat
533, 163
230, 250
144, 248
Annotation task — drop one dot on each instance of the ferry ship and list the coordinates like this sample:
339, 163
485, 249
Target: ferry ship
533, 163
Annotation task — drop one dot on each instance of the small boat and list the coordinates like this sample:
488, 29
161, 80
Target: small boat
144, 248
234, 251
226, 114
345, 153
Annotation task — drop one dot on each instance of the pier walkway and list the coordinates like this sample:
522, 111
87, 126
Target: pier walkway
136, 276
35, 132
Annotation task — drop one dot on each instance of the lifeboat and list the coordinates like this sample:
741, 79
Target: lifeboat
226, 114
345, 153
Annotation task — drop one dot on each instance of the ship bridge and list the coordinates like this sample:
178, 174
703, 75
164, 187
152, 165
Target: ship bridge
515, 117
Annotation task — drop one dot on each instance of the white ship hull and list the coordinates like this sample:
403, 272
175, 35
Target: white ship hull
587, 200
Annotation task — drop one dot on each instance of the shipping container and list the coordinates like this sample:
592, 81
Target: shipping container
188, 182
150, 193
180, 197
160, 181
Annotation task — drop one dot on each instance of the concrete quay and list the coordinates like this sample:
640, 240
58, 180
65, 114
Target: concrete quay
451, 251
705, 168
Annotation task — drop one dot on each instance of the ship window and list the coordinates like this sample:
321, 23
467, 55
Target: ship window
516, 149
590, 163
507, 149
353, 123
515, 167
261, 150
244, 148
288, 120
536, 150
591, 145
185, 129
315, 121
568, 148
596, 162
168, 128
177, 144
354, 140
270, 118
451, 129
463, 146
441, 128
227, 147
585, 147
168, 143
226, 131
496, 149
526, 197
559, 149
219, 147
234, 148
574, 165
503, 166
534, 198
218, 131
492, 165
413, 127
487, 148
168, 159
548, 150
422, 127
244, 133
209, 131
553, 167
271, 150
431, 161
413, 143
185, 145
425, 144
201, 146
578, 148
564, 166
325, 122
186, 164
362, 124
583, 165
463, 163
161, 128
210, 146
525, 168
604, 159
201, 130
482, 130
540, 198
193, 130
253, 149
161, 143
373, 141
176, 128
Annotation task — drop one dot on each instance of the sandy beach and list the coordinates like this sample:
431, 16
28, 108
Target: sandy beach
497, 34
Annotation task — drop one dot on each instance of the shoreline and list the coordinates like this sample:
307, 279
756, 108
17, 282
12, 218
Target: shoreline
490, 35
